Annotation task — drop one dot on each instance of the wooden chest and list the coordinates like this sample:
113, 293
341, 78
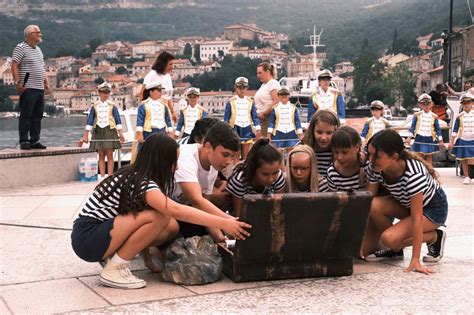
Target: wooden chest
298, 235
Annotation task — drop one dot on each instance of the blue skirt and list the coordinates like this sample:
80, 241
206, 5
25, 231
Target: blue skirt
285, 139
425, 145
463, 149
245, 134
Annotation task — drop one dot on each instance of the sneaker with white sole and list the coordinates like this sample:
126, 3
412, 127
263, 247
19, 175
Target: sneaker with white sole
436, 250
384, 254
466, 181
120, 277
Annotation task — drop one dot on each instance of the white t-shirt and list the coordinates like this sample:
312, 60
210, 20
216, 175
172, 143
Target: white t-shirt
164, 79
190, 170
263, 98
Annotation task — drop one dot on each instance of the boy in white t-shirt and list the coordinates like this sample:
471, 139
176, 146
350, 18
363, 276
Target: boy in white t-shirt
196, 174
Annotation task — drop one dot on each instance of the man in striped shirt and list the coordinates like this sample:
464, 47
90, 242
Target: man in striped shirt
31, 83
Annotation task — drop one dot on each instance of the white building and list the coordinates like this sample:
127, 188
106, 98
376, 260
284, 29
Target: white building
214, 102
146, 48
210, 50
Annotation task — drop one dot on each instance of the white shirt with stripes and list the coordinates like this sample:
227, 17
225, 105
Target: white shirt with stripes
108, 208
324, 160
238, 185
415, 179
30, 60
339, 182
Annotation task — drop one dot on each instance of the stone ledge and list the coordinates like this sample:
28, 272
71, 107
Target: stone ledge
50, 151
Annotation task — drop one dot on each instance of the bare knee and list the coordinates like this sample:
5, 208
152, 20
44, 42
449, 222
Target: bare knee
390, 239
155, 217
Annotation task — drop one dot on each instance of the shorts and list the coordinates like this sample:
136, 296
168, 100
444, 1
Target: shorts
437, 209
90, 238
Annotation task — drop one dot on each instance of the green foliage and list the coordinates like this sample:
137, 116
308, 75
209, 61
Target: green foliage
94, 43
197, 53
121, 70
99, 80
188, 51
223, 79
402, 85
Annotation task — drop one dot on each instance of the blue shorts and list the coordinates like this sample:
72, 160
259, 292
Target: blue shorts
90, 238
437, 209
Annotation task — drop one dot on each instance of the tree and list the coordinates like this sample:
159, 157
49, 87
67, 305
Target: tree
188, 51
121, 70
197, 53
402, 85
85, 52
99, 80
94, 43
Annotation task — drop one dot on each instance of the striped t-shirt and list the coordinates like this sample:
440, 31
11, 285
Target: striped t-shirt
108, 208
414, 180
238, 185
339, 182
183, 140
324, 160
30, 60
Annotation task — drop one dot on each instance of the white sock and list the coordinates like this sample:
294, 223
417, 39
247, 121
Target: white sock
116, 259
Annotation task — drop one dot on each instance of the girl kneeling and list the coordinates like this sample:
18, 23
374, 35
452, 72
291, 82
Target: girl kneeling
417, 200
131, 211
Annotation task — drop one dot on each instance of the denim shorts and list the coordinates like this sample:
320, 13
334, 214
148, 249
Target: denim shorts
437, 209
90, 238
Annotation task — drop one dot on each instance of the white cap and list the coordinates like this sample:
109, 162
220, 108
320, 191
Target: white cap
105, 87
466, 97
325, 74
241, 81
156, 85
424, 98
192, 91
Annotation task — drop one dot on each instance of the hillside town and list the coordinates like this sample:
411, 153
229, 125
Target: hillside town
124, 65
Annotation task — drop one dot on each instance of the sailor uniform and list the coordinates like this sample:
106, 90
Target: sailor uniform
187, 119
153, 116
330, 100
104, 121
426, 131
372, 126
285, 125
241, 115
464, 132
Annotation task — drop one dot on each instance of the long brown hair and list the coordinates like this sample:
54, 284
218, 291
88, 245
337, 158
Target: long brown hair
326, 116
390, 142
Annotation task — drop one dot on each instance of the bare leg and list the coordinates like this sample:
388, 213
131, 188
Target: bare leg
110, 161
131, 234
382, 210
102, 163
429, 159
245, 150
148, 253
465, 167
400, 235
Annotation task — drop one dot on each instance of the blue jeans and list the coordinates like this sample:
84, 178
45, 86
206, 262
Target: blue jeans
437, 209
31, 113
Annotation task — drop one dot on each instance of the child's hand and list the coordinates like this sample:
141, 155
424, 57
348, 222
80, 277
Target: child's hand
416, 266
235, 228
441, 144
85, 138
408, 141
140, 137
122, 139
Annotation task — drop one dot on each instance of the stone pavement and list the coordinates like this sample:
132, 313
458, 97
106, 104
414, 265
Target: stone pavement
41, 274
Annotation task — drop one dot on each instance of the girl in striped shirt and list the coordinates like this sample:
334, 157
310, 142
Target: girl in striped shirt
416, 200
347, 172
130, 211
318, 136
260, 173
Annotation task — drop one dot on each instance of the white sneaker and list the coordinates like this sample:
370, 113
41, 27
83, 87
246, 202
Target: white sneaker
120, 277
466, 181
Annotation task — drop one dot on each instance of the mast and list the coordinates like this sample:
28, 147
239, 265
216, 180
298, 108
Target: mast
315, 41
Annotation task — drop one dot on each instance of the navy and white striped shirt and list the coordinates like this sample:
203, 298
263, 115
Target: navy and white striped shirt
238, 185
339, 182
414, 180
30, 60
108, 208
324, 160
183, 140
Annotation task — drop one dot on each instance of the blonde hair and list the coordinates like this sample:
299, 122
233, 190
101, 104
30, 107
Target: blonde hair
313, 177
266, 66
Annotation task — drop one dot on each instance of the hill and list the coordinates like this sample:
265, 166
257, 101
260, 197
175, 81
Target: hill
69, 24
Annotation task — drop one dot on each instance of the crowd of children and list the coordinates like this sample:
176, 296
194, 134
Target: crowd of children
175, 186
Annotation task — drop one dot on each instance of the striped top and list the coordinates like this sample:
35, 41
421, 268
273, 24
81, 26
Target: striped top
414, 180
183, 140
108, 208
30, 60
324, 160
238, 185
339, 182
322, 186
